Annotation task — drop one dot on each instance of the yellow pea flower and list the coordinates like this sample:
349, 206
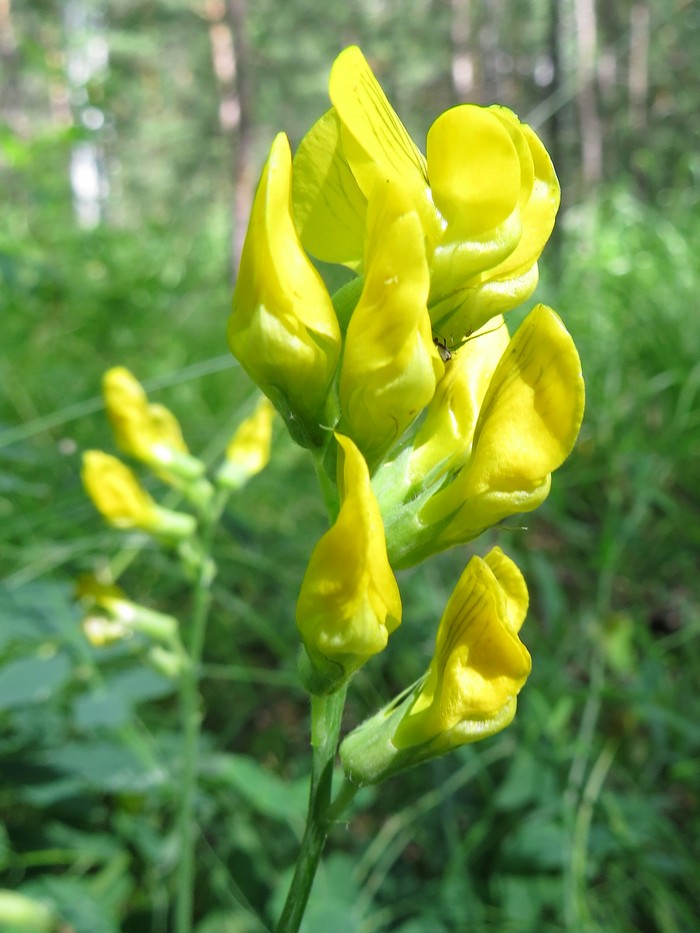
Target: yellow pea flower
124, 503
149, 432
486, 194
248, 451
349, 601
390, 366
528, 422
479, 665
505, 415
283, 328
470, 689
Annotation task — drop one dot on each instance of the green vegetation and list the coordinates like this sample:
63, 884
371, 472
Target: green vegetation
584, 814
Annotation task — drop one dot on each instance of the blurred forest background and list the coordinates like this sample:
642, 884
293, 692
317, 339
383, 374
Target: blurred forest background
131, 138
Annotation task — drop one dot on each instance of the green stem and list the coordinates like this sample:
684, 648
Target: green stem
326, 717
191, 725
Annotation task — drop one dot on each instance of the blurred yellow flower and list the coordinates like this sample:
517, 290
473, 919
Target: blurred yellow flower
486, 194
283, 328
149, 432
349, 601
248, 451
124, 503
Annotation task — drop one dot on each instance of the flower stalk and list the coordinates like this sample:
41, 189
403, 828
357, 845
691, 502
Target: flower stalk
326, 719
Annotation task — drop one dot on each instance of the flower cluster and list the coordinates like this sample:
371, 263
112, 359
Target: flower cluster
432, 422
151, 434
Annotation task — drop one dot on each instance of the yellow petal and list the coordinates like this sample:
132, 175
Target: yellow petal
512, 585
478, 668
375, 141
390, 365
329, 208
474, 171
283, 328
349, 601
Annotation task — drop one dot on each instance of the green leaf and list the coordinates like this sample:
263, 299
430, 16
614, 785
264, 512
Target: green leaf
111, 703
264, 791
33, 680
106, 766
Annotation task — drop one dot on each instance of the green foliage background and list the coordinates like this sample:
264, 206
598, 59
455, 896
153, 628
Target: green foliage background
584, 814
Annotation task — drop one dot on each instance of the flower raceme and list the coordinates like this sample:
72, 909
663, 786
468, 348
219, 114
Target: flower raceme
470, 689
441, 245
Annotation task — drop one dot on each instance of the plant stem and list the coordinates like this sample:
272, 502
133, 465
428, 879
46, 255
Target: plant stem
326, 717
191, 725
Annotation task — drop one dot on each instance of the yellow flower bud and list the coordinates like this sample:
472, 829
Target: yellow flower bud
349, 601
248, 452
390, 365
283, 328
149, 432
470, 689
118, 495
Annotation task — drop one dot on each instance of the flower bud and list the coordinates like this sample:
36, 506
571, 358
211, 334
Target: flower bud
124, 503
349, 601
248, 451
283, 328
150, 433
390, 365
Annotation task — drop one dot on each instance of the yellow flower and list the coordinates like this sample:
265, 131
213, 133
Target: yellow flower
118, 495
479, 665
528, 422
470, 689
486, 194
149, 432
500, 423
283, 328
349, 601
390, 365
248, 451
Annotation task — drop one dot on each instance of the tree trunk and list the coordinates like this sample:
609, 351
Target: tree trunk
589, 119
463, 67
638, 77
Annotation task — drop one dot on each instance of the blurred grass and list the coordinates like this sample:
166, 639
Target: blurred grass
582, 816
